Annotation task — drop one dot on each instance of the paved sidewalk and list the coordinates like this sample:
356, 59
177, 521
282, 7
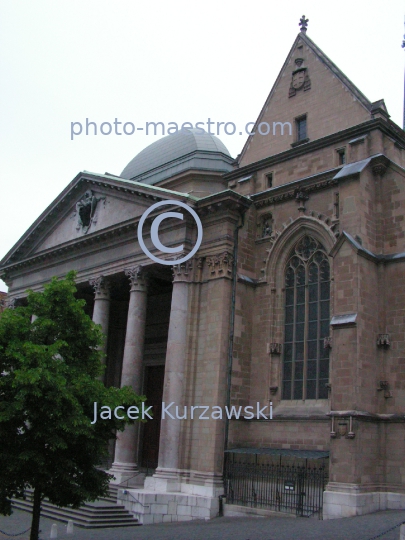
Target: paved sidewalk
275, 528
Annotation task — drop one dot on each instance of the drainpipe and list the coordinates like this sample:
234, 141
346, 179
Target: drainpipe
231, 326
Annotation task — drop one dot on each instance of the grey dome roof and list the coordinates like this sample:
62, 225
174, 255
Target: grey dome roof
186, 149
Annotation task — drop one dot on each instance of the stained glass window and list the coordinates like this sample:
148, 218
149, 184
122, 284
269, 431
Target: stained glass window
307, 316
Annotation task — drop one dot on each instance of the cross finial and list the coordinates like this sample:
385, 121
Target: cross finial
303, 24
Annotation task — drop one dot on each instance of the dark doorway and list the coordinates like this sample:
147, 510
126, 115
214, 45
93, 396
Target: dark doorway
153, 390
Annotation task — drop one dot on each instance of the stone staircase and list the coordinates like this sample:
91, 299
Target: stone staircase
100, 514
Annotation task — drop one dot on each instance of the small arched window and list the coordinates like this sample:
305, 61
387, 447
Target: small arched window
307, 318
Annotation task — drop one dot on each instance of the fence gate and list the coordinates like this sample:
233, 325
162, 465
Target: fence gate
289, 485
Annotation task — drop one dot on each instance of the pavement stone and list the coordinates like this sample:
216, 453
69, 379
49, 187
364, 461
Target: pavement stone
274, 528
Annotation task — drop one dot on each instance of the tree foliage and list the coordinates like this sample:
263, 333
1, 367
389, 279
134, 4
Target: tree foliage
50, 366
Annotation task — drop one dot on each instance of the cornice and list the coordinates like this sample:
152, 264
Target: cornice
74, 245
151, 193
288, 191
368, 417
224, 200
386, 126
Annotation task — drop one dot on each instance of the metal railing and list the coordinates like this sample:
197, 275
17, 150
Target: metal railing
282, 488
126, 492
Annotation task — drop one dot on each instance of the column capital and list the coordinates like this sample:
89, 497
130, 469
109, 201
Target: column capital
11, 303
101, 286
138, 278
183, 271
220, 265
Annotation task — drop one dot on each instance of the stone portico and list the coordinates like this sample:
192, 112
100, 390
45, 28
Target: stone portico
159, 321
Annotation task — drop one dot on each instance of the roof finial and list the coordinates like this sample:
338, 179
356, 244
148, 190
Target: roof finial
303, 24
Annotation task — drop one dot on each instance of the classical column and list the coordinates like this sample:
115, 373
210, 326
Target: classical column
101, 311
126, 448
167, 474
11, 303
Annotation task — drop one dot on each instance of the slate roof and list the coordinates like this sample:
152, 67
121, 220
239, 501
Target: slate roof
184, 150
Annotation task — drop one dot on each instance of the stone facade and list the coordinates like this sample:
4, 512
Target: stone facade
318, 212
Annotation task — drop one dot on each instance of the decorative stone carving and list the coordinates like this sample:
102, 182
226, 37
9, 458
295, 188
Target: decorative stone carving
273, 390
306, 247
262, 201
343, 430
327, 342
265, 225
379, 166
86, 209
138, 278
342, 427
311, 216
220, 265
11, 303
383, 340
101, 286
183, 271
300, 78
379, 169
301, 196
385, 386
275, 348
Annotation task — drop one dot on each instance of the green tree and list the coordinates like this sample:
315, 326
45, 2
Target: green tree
49, 380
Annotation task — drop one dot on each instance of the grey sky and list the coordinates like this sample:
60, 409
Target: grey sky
63, 61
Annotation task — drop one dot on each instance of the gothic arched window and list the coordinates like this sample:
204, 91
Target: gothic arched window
307, 318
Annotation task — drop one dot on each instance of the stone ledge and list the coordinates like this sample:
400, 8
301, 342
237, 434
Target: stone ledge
348, 504
234, 510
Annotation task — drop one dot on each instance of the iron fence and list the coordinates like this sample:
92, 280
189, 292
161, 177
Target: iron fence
282, 488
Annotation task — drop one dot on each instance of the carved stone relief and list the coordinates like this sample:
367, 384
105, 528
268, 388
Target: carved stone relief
86, 211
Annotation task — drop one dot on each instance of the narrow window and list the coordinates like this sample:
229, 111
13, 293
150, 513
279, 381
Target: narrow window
269, 178
336, 206
341, 156
307, 312
301, 124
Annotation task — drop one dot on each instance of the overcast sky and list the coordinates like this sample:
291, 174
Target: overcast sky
63, 61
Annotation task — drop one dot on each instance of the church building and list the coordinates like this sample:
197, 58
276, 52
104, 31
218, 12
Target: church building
293, 305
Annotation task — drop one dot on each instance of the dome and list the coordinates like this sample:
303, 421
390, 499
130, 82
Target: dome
184, 150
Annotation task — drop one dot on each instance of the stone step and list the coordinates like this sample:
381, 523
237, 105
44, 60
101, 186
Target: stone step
103, 513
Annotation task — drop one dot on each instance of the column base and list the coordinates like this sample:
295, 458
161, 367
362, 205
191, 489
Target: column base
164, 481
127, 472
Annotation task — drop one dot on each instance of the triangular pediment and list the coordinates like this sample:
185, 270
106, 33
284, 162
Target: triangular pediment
309, 84
91, 206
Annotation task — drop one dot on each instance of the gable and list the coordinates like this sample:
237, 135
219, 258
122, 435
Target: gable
92, 211
308, 84
91, 204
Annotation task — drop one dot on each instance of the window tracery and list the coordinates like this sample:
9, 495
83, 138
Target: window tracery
307, 318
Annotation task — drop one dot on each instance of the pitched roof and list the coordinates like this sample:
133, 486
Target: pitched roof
303, 39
